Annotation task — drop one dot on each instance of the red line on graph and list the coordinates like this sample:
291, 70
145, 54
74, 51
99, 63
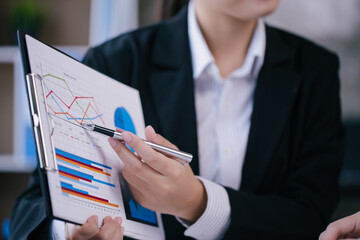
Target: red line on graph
70, 105
65, 113
97, 113
85, 114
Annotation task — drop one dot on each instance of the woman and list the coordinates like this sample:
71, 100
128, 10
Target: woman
258, 108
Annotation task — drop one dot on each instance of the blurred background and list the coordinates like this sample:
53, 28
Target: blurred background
74, 26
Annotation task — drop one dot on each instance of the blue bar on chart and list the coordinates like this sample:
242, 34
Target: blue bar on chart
81, 175
79, 159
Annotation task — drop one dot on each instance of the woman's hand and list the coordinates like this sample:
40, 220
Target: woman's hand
345, 228
158, 182
110, 229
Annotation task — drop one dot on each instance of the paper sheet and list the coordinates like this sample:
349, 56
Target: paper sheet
88, 180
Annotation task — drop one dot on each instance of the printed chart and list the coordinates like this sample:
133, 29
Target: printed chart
89, 172
80, 177
85, 175
64, 102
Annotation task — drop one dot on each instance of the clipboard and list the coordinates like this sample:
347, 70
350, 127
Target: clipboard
80, 174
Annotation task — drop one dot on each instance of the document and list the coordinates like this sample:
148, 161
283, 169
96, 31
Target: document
83, 172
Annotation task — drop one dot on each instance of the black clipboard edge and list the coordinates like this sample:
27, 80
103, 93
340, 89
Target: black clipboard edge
42, 172
44, 184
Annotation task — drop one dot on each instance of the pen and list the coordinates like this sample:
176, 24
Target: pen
180, 156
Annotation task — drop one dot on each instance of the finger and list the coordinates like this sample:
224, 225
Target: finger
124, 153
152, 136
155, 160
108, 229
121, 149
139, 189
119, 233
141, 196
132, 179
119, 129
329, 234
87, 230
106, 220
118, 220
133, 164
345, 227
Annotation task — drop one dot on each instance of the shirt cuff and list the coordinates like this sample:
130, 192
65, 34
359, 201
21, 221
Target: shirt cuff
215, 220
58, 230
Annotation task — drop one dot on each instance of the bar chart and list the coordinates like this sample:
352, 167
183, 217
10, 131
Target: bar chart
68, 189
78, 162
83, 178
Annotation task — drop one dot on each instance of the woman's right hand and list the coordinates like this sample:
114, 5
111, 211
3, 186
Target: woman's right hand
110, 229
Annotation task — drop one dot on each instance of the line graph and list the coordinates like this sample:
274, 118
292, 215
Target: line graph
68, 106
61, 79
74, 101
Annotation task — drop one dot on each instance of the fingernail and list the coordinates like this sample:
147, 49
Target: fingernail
126, 136
152, 132
119, 220
112, 142
152, 129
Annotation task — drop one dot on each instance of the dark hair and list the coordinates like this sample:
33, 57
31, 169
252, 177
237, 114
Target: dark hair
171, 7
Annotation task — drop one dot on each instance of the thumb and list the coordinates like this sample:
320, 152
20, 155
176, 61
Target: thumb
153, 137
87, 230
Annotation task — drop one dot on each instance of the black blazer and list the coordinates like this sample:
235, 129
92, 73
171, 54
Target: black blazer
289, 187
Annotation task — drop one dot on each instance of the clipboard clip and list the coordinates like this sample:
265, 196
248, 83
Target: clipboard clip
38, 125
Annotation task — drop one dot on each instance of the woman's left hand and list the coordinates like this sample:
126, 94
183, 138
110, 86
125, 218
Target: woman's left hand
158, 182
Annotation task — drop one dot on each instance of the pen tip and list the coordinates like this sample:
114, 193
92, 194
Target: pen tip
87, 125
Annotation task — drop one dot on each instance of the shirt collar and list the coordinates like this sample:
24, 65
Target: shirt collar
202, 57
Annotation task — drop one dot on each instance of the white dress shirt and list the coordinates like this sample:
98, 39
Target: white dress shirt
223, 111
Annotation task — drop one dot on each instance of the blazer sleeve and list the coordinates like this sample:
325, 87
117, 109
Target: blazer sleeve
28, 217
303, 205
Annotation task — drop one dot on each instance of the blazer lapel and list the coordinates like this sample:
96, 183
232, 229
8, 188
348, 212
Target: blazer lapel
172, 86
274, 96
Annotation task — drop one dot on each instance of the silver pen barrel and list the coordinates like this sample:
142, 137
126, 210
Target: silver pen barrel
180, 156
